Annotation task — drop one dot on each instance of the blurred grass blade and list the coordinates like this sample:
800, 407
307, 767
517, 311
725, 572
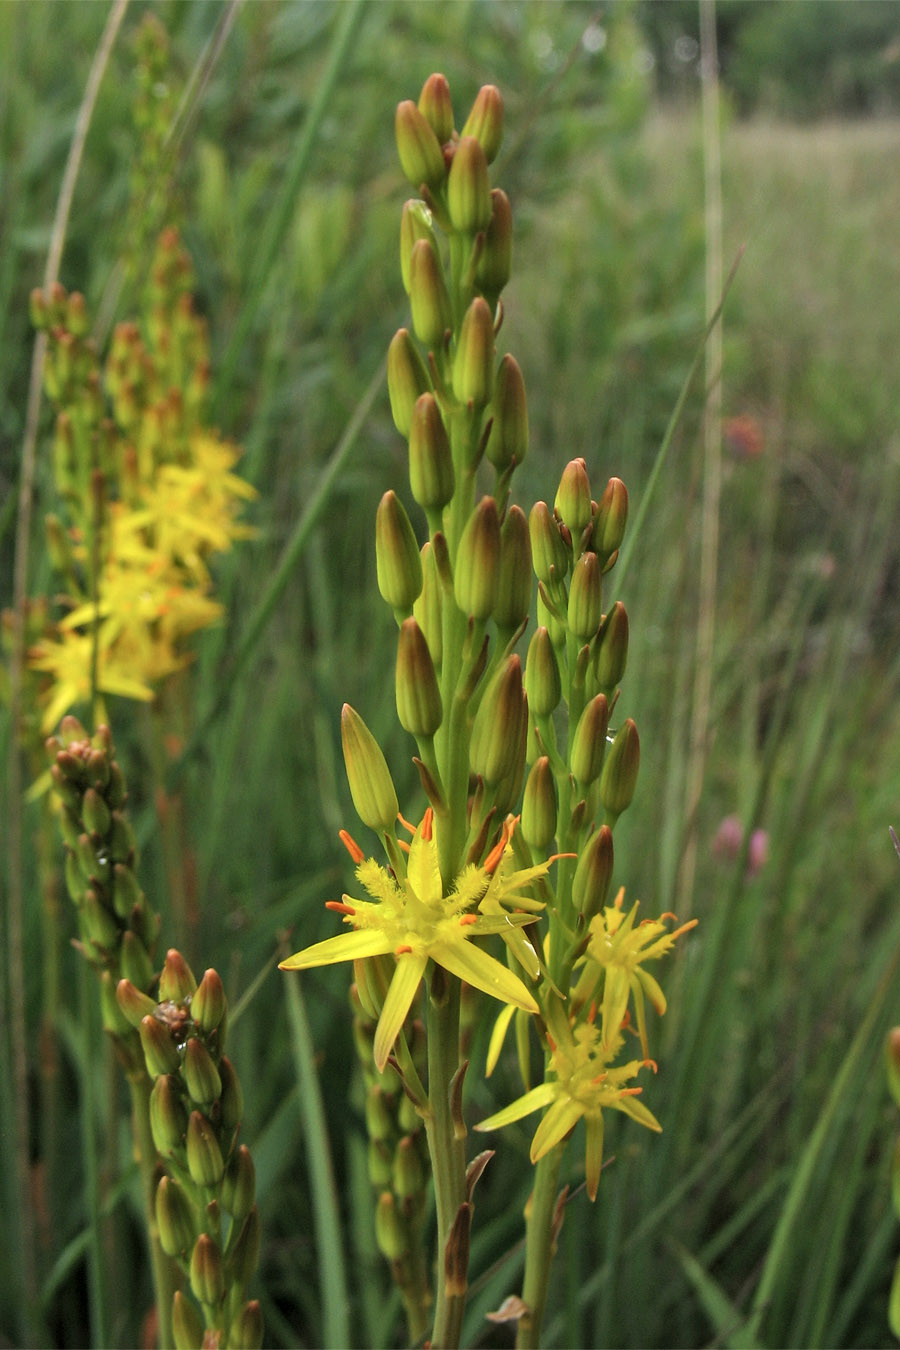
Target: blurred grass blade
728, 1322
326, 1209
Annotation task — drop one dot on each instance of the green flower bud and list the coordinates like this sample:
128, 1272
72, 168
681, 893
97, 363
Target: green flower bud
95, 814
209, 1005
247, 1327
573, 497
494, 263
94, 864
239, 1185
201, 1077
245, 1253
542, 678
371, 786
168, 1117
469, 188
397, 560
231, 1102
409, 1174
589, 742
75, 883
610, 519
431, 476
516, 580
419, 705
540, 806
134, 1004
436, 107
174, 1218
478, 561
116, 793
70, 731
407, 379
126, 893
114, 1020
121, 839
415, 224
585, 609
593, 873
473, 363
207, 1272
379, 1159
379, 1117
391, 1233
485, 121
612, 648
160, 1051
507, 442
428, 298
204, 1156
549, 555
420, 153
187, 1324
176, 983
548, 618
70, 821
496, 731
620, 770
97, 923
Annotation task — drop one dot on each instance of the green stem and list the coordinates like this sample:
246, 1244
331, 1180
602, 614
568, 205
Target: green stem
540, 1247
447, 1150
162, 1269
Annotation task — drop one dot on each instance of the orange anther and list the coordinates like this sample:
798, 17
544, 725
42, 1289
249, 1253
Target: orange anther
339, 907
351, 846
402, 951
468, 918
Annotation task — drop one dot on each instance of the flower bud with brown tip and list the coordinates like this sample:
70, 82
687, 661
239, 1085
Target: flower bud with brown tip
588, 748
473, 362
431, 475
573, 497
515, 583
585, 609
593, 873
418, 148
407, 379
419, 705
478, 561
540, 806
620, 770
428, 297
371, 786
496, 731
436, 107
468, 188
398, 565
508, 438
485, 121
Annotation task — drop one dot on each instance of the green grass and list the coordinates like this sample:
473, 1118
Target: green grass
762, 1214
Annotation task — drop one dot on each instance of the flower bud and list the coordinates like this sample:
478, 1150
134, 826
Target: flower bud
121, 839
207, 1274
204, 1156
397, 560
126, 894
612, 648
485, 121
428, 298
168, 1118
209, 1005
160, 1051
247, 1327
134, 1004
516, 578
419, 705
176, 981
496, 731
420, 153
407, 379
391, 1233
98, 924
201, 1077
589, 742
245, 1253
495, 259
539, 806
585, 608
431, 476
428, 609
507, 442
174, 1218
371, 786
116, 793
550, 557
593, 873
415, 224
620, 770
114, 1019
473, 363
409, 1174
239, 1185
478, 561
573, 497
187, 1324
95, 814
548, 616
468, 188
94, 863
379, 1160
231, 1101
610, 519
436, 107
542, 678
379, 1118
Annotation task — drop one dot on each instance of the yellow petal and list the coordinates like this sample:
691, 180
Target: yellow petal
477, 968
344, 947
522, 1106
402, 991
563, 1115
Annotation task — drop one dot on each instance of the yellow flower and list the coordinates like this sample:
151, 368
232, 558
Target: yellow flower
581, 1085
69, 662
617, 950
414, 920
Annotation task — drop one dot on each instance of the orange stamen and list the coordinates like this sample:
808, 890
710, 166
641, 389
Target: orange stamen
402, 951
351, 846
406, 825
651, 1064
468, 918
427, 820
339, 907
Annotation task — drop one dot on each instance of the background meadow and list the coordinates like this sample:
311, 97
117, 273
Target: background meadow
762, 1215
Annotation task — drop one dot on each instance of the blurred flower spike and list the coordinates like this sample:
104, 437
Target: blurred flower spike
411, 918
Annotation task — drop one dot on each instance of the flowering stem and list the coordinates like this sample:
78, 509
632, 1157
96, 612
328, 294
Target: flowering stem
162, 1269
447, 1151
541, 1233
